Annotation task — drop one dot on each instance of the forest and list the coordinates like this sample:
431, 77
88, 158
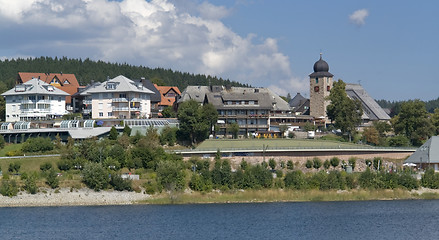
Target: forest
87, 70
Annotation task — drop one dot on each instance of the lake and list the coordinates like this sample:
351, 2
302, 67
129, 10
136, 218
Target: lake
414, 219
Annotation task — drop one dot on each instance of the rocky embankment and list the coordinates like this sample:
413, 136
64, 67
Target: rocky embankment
76, 197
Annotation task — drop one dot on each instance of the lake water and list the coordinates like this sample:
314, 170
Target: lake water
311, 220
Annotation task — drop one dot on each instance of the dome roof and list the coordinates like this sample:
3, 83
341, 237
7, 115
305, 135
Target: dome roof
321, 65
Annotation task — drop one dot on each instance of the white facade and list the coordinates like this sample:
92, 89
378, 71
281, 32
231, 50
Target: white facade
120, 98
34, 100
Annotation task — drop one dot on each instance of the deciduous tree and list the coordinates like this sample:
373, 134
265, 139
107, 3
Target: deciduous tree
344, 112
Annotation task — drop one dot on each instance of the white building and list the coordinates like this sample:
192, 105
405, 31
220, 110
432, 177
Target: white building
119, 97
34, 100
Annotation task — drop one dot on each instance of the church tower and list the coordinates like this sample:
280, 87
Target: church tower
320, 83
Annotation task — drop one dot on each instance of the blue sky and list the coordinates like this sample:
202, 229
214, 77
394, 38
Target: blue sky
390, 47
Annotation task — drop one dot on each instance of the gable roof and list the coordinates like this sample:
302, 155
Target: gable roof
34, 86
70, 88
427, 153
371, 109
166, 101
121, 84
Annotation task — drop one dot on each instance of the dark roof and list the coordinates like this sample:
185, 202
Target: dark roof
156, 97
321, 69
297, 101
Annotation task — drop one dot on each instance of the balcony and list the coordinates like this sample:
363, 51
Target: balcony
136, 100
86, 111
120, 100
126, 109
35, 110
86, 101
27, 101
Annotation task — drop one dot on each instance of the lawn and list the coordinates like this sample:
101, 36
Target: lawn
9, 148
274, 144
28, 164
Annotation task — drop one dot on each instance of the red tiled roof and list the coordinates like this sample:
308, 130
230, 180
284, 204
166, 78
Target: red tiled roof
167, 101
70, 88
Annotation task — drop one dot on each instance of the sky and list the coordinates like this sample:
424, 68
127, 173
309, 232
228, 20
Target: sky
389, 47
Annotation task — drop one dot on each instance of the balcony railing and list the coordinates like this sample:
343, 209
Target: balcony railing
126, 109
136, 100
120, 100
35, 101
36, 110
86, 101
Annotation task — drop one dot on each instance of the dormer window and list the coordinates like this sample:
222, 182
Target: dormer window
50, 88
111, 86
66, 82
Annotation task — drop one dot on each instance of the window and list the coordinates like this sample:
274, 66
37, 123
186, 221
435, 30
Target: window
14, 108
123, 95
32, 98
59, 99
110, 114
109, 105
101, 114
101, 106
317, 80
328, 88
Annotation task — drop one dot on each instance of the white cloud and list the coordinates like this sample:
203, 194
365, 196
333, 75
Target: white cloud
358, 17
156, 33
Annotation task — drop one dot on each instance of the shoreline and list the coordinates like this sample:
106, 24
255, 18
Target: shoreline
77, 197
88, 197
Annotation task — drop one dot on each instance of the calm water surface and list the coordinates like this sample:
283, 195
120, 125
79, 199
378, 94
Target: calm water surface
315, 220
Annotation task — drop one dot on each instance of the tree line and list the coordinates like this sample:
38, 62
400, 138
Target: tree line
87, 70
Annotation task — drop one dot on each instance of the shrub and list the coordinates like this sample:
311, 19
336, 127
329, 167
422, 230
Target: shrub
38, 144
352, 161
170, 175
30, 184
14, 167
95, 176
335, 161
295, 180
52, 179
9, 188
45, 166
290, 165
326, 164
272, 163
316, 163
120, 184
308, 164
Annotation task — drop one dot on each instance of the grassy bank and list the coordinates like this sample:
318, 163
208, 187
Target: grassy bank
276, 195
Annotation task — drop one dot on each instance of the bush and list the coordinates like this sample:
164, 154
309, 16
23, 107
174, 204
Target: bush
308, 164
171, 175
335, 161
272, 163
290, 165
326, 164
120, 184
430, 179
52, 179
352, 161
38, 144
9, 188
14, 167
46, 166
95, 176
30, 184
295, 180
316, 163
